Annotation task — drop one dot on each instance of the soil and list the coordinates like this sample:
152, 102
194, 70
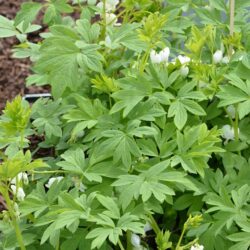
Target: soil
13, 72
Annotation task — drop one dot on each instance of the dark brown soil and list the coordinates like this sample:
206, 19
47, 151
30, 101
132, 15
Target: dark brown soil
13, 72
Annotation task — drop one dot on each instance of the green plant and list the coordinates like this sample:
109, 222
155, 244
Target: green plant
148, 127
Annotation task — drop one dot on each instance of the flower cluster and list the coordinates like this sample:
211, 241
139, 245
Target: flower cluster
110, 7
218, 57
161, 57
18, 192
184, 60
21, 178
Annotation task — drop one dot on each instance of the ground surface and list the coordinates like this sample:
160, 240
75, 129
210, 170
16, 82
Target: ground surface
13, 72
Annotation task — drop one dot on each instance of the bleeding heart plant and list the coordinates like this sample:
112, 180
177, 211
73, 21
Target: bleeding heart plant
147, 132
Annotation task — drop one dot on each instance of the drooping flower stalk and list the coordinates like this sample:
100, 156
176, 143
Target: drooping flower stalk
231, 27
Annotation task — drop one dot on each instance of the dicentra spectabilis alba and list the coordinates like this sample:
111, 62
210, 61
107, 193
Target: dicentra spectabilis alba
111, 18
155, 57
183, 59
18, 192
231, 111
109, 6
164, 54
108, 42
20, 177
217, 56
135, 240
16, 209
225, 60
197, 247
147, 227
52, 180
184, 70
160, 57
228, 133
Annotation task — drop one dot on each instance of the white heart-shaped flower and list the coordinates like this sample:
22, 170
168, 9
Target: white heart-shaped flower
155, 57
184, 70
164, 54
52, 180
183, 59
19, 192
135, 240
217, 56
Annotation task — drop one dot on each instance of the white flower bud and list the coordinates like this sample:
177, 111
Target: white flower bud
147, 227
16, 210
228, 133
197, 247
108, 41
110, 5
217, 56
135, 240
18, 192
111, 18
154, 57
164, 54
183, 59
25, 179
231, 111
52, 180
184, 70
20, 177
225, 60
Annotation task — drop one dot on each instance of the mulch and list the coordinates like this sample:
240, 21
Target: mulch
13, 72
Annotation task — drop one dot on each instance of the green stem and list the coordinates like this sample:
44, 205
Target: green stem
232, 9
48, 172
181, 237
120, 245
79, 4
236, 124
104, 20
190, 244
129, 244
14, 220
110, 101
22, 140
144, 60
154, 224
229, 117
